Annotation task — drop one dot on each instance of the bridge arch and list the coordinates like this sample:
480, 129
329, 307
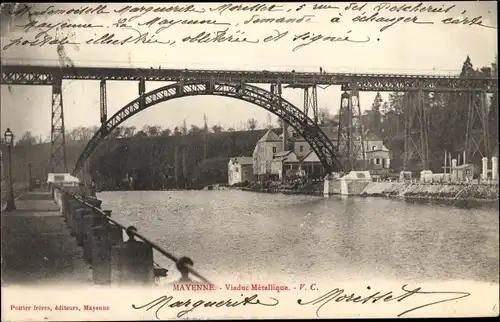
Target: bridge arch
310, 131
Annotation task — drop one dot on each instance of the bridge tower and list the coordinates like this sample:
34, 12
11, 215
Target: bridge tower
477, 136
277, 90
416, 128
351, 137
57, 131
103, 102
310, 97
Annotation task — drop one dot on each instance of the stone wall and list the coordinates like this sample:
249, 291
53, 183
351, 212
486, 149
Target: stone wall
433, 191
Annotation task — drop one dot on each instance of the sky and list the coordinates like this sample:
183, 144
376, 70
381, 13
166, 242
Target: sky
405, 48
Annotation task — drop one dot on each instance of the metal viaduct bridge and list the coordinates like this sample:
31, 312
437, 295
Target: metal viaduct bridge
237, 84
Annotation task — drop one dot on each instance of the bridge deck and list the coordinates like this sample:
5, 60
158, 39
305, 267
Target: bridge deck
37, 247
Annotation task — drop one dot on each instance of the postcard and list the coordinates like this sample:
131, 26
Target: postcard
165, 161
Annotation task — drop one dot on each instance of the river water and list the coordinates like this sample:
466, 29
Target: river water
263, 236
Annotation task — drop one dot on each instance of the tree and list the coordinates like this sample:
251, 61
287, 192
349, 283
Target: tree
325, 117
177, 131
152, 130
230, 129
81, 133
372, 118
252, 124
141, 133
128, 131
217, 128
184, 128
166, 132
26, 139
279, 122
195, 130
116, 133
385, 108
377, 102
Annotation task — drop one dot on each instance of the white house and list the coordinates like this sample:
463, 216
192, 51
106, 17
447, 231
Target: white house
240, 169
264, 152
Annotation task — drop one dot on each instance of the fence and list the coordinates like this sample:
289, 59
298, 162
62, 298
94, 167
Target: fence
113, 259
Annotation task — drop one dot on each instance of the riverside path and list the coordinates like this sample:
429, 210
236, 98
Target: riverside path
37, 248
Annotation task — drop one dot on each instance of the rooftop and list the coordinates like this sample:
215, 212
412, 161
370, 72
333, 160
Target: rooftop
243, 160
270, 136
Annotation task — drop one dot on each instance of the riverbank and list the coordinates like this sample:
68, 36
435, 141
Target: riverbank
409, 191
441, 191
314, 188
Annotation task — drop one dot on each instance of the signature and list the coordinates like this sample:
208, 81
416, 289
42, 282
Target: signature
190, 305
339, 296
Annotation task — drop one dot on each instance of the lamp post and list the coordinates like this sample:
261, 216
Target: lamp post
9, 140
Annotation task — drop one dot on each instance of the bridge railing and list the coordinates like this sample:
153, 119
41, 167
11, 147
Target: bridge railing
112, 259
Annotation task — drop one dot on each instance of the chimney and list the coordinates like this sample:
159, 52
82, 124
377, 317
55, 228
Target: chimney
285, 135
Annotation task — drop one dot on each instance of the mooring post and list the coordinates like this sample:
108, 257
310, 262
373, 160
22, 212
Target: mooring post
83, 229
78, 221
66, 206
73, 220
64, 203
134, 261
105, 236
91, 219
101, 254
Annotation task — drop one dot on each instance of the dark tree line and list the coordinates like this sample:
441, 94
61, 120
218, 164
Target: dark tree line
447, 116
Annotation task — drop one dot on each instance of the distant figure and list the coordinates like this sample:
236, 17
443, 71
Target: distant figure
321, 70
159, 67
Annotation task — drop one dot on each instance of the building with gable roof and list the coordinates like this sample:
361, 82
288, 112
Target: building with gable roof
275, 155
240, 169
264, 151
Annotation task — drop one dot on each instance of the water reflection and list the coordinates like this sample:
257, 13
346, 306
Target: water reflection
261, 235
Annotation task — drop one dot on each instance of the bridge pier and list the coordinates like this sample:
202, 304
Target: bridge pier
477, 139
142, 90
351, 138
276, 89
57, 132
103, 102
416, 128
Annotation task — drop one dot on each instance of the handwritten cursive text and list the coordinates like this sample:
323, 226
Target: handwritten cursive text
310, 38
339, 296
190, 305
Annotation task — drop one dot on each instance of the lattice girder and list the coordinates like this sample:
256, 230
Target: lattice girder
44, 75
304, 125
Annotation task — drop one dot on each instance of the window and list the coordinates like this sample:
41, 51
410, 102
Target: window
274, 149
301, 148
373, 147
